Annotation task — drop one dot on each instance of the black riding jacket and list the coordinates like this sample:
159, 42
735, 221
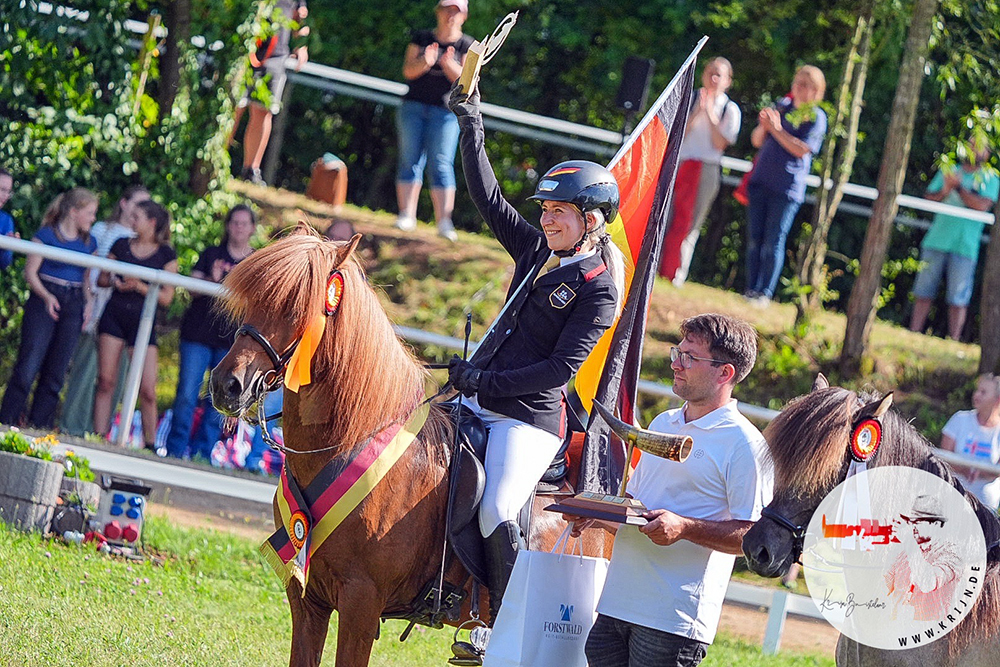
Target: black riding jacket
548, 330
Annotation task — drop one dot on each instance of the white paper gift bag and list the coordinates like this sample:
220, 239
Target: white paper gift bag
548, 609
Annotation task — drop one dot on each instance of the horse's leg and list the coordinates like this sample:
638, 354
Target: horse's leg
310, 624
359, 607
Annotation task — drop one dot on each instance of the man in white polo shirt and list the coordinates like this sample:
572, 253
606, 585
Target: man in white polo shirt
667, 580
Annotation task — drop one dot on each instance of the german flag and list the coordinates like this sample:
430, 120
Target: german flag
645, 168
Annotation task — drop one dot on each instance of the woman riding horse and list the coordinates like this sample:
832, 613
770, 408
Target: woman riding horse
567, 285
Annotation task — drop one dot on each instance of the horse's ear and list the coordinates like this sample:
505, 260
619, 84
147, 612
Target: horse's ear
347, 248
883, 406
820, 382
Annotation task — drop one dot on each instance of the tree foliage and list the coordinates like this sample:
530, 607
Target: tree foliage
72, 114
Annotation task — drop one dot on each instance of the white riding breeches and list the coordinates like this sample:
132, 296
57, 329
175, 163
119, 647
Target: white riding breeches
517, 456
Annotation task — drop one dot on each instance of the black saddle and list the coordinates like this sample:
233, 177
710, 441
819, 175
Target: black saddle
466, 481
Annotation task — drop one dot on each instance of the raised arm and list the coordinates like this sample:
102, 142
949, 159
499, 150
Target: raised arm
510, 228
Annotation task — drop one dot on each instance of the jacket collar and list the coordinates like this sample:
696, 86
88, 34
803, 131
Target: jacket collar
574, 271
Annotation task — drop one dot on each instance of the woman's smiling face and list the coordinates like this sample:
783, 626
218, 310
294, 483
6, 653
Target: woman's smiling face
562, 223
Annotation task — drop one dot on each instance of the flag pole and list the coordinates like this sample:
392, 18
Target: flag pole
655, 107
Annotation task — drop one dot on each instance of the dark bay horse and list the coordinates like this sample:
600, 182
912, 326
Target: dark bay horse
376, 562
808, 444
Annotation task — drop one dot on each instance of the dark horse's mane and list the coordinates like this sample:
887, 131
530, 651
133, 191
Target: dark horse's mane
808, 443
363, 377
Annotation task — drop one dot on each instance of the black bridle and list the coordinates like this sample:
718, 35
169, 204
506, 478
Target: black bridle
279, 362
798, 532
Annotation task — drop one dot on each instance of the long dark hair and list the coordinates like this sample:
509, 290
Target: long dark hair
130, 191
160, 216
229, 218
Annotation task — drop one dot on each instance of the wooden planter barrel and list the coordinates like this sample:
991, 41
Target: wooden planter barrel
28, 491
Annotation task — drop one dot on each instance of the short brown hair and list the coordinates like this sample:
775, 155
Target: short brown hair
729, 340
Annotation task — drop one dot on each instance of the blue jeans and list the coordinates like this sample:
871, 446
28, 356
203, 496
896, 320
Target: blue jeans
196, 360
46, 349
272, 404
428, 135
961, 272
616, 643
769, 218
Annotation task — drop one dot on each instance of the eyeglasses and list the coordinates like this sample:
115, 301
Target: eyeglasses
686, 358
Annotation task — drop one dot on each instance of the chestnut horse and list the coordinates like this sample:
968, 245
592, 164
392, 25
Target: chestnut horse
363, 378
808, 443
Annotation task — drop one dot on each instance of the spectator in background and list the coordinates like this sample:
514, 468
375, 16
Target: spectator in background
77, 416
119, 325
268, 63
952, 243
58, 306
206, 337
788, 135
428, 131
975, 434
341, 229
713, 124
6, 221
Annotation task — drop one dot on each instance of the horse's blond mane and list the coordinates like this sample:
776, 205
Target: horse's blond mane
363, 377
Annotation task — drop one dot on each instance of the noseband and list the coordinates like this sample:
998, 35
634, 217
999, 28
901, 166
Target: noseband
279, 362
798, 532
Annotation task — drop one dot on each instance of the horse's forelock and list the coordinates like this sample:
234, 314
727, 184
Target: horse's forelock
808, 440
284, 283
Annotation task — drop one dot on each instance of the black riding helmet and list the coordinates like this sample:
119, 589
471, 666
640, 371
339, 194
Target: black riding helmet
587, 185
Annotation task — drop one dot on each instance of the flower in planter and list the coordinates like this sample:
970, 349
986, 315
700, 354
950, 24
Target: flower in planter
15, 442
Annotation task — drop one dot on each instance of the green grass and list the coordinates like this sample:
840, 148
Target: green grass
211, 602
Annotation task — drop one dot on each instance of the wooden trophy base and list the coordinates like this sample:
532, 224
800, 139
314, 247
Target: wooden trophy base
604, 507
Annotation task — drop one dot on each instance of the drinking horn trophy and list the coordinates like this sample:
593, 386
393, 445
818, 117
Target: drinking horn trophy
665, 445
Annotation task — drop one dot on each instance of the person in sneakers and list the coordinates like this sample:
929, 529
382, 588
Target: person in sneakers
713, 124
565, 293
268, 62
428, 132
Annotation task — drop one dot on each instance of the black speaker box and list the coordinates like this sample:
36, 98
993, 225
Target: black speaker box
637, 76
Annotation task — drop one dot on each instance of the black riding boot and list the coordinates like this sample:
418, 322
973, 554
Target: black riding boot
501, 549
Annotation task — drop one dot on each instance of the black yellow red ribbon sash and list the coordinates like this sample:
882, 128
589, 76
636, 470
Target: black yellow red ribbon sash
308, 517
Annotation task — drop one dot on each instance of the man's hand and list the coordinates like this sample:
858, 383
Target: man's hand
463, 104
579, 524
664, 527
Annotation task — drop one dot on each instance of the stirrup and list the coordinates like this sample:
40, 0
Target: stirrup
470, 653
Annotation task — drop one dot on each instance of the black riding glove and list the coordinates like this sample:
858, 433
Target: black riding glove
463, 376
463, 104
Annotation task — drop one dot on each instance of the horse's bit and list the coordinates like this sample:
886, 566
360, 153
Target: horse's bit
798, 532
